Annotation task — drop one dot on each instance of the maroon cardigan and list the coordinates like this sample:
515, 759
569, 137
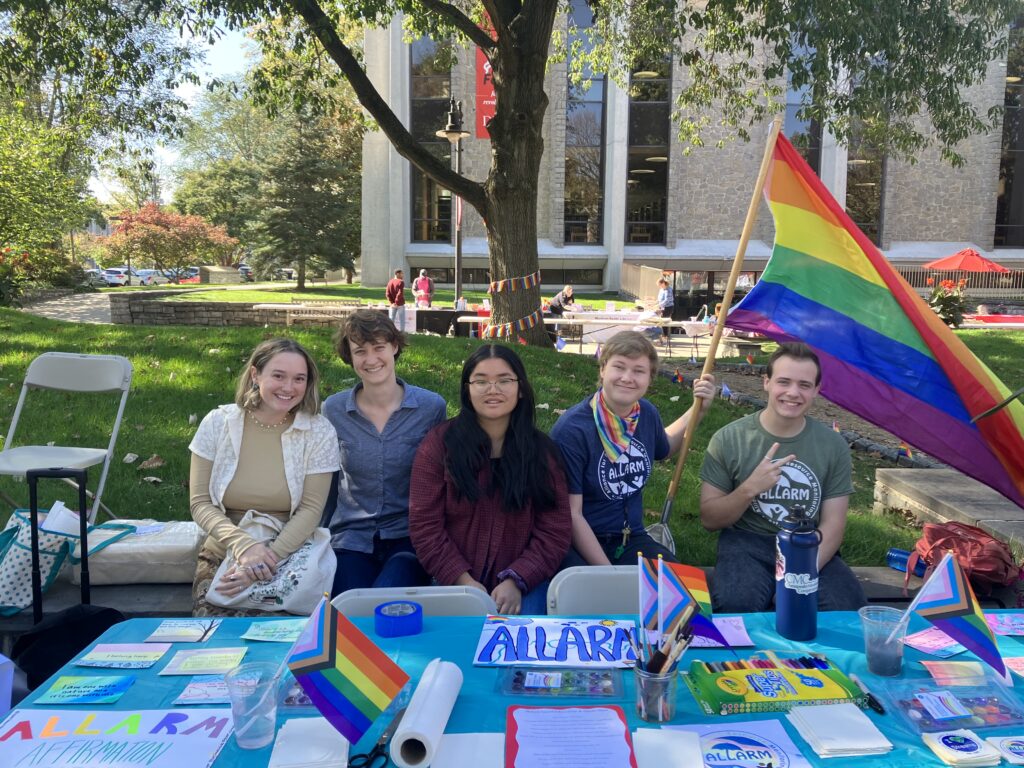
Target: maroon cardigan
452, 535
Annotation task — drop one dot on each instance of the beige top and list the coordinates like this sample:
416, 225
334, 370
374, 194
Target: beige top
258, 483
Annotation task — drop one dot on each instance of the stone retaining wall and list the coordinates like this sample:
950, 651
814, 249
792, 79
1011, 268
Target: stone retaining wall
141, 309
37, 295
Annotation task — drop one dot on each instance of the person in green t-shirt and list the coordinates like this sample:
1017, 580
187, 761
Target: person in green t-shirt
746, 492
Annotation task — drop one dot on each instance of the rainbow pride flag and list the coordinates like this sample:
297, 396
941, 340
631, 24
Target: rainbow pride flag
647, 571
348, 678
948, 602
885, 355
696, 583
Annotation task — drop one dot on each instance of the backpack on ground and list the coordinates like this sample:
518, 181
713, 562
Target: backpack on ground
986, 561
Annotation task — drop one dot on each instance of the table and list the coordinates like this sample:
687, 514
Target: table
607, 325
479, 708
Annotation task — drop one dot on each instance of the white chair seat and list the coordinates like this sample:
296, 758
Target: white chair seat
436, 601
594, 590
17, 461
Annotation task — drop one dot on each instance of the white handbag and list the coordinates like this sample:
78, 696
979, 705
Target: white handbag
301, 578
153, 552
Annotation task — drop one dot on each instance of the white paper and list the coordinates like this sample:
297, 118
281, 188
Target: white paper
746, 744
61, 520
419, 734
91, 737
309, 742
570, 737
480, 750
662, 748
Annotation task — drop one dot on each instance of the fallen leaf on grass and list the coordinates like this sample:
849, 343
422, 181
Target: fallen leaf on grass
192, 418
152, 480
130, 458
674, 399
559, 411
213, 351
152, 462
543, 406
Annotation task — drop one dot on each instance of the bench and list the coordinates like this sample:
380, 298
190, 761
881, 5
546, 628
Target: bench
319, 310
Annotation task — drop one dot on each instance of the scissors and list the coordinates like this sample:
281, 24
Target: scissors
378, 756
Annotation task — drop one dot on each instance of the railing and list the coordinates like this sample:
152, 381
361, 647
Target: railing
640, 282
1005, 286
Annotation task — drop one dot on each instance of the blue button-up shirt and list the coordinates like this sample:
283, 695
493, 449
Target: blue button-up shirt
373, 484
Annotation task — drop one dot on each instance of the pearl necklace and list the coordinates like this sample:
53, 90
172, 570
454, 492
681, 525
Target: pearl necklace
260, 424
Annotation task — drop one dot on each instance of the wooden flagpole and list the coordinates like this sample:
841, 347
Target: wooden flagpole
737, 265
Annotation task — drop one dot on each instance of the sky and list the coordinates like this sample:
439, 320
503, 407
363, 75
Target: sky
224, 58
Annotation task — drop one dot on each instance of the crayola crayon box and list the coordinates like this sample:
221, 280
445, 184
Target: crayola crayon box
768, 684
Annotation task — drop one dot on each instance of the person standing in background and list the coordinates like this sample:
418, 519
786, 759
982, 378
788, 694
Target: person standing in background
666, 305
423, 290
395, 294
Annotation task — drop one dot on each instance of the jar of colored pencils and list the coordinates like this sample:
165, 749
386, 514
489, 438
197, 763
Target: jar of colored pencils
656, 694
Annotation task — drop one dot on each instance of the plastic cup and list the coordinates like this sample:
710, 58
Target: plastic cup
656, 695
253, 691
885, 655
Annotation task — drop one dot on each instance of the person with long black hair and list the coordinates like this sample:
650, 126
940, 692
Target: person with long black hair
488, 505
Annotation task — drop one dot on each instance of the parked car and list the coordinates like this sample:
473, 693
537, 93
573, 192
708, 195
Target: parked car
94, 277
284, 273
152, 277
183, 275
119, 276
245, 272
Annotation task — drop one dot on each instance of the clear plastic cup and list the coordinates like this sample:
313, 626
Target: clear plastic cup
656, 695
253, 691
884, 650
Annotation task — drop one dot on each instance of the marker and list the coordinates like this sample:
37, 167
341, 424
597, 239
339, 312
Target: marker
874, 703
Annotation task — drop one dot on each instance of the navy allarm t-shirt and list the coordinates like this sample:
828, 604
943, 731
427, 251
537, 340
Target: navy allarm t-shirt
611, 491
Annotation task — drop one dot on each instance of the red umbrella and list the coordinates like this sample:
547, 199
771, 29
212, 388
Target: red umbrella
967, 260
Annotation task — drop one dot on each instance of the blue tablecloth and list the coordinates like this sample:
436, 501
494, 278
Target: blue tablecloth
480, 706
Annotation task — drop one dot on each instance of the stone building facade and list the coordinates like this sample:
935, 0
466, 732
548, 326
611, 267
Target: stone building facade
926, 209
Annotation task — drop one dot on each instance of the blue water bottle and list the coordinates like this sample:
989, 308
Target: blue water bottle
796, 577
897, 559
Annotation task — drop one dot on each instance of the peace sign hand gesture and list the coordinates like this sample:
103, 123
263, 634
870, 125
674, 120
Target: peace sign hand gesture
766, 474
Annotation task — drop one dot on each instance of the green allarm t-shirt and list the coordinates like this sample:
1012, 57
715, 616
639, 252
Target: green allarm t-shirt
821, 469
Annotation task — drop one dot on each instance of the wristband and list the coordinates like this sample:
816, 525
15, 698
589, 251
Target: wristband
508, 573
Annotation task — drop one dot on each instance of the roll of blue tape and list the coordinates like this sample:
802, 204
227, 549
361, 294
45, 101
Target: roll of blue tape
398, 618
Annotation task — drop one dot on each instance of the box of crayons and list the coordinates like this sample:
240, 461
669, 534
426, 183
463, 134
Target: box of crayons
768, 683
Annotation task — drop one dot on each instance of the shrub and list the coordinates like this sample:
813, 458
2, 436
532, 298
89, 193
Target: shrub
948, 301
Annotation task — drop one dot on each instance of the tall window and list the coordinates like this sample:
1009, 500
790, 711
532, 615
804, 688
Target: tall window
647, 179
429, 91
1010, 199
803, 133
584, 145
865, 175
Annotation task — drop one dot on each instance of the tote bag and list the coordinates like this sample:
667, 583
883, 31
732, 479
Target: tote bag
301, 578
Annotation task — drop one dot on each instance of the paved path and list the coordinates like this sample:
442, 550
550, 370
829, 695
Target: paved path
78, 308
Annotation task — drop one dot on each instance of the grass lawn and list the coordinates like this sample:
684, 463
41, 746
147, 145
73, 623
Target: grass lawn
185, 371
443, 297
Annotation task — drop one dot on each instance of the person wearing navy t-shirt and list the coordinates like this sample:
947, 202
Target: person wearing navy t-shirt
610, 442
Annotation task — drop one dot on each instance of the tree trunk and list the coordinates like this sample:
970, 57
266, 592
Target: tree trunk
301, 263
518, 66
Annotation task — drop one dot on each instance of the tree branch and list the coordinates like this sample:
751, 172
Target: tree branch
461, 22
403, 141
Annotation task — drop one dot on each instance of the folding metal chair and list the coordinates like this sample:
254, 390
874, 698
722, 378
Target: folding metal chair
68, 372
436, 601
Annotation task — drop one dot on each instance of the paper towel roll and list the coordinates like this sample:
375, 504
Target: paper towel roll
418, 736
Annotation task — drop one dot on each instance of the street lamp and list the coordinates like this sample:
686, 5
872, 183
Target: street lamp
454, 134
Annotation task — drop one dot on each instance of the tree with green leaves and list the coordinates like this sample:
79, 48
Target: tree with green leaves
226, 193
903, 66
38, 201
308, 211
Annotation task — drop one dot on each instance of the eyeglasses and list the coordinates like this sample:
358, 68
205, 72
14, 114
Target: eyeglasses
484, 385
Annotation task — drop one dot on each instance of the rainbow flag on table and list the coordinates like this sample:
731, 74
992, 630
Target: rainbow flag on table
885, 355
948, 602
348, 678
648, 584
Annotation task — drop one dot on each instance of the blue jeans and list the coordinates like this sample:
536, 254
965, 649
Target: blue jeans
392, 563
535, 602
397, 315
744, 580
